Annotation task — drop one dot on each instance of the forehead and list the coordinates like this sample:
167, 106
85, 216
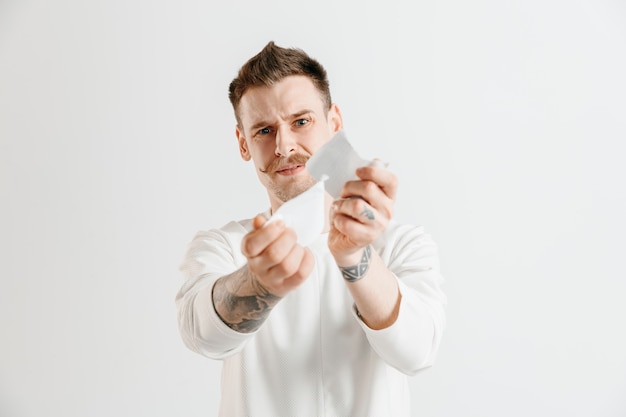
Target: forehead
289, 96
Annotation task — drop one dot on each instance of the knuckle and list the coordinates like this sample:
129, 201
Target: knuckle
246, 246
370, 187
286, 268
272, 253
352, 204
299, 273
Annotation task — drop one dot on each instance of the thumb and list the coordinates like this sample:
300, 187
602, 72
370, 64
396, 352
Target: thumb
258, 222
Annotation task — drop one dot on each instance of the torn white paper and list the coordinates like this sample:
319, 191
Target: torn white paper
304, 213
338, 160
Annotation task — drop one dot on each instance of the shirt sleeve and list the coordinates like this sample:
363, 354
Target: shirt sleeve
411, 343
210, 255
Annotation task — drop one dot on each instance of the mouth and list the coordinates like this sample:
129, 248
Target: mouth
290, 170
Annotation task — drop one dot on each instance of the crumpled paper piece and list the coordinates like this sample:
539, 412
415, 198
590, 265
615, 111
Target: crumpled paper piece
304, 213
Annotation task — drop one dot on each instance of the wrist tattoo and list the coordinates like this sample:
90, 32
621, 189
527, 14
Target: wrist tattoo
356, 272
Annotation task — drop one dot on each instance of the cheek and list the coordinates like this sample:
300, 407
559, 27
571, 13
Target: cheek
262, 153
313, 146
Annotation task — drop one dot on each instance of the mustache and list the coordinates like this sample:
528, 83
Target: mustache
279, 163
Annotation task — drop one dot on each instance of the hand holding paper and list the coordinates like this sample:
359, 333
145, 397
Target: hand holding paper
360, 212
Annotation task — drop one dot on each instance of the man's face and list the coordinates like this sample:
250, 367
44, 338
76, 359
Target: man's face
281, 127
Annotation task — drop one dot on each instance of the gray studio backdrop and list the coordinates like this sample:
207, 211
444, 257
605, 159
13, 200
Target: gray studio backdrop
504, 121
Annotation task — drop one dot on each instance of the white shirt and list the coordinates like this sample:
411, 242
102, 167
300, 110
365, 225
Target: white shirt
314, 356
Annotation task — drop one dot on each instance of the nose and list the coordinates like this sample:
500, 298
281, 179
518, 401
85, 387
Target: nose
285, 142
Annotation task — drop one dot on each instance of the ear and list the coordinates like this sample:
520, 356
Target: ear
335, 121
243, 145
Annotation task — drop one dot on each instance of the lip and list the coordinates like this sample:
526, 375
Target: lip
290, 170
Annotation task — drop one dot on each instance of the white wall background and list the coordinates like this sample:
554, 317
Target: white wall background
505, 122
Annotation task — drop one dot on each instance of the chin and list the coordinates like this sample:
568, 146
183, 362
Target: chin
288, 191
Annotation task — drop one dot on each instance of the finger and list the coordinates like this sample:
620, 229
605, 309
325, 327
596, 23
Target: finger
258, 222
356, 208
383, 178
354, 230
307, 263
280, 248
274, 253
372, 194
290, 266
258, 239
367, 214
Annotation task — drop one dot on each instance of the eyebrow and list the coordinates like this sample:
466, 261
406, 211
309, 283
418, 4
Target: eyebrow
264, 123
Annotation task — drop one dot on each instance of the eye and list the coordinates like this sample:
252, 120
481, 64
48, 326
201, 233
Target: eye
264, 131
301, 122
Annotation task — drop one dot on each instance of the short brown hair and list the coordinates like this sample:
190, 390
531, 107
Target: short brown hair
272, 65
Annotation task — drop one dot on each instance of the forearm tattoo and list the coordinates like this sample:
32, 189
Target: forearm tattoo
356, 272
246, 305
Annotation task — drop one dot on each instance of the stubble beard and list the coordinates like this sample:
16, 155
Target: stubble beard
293, 189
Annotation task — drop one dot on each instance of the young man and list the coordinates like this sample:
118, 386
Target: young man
331, 329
